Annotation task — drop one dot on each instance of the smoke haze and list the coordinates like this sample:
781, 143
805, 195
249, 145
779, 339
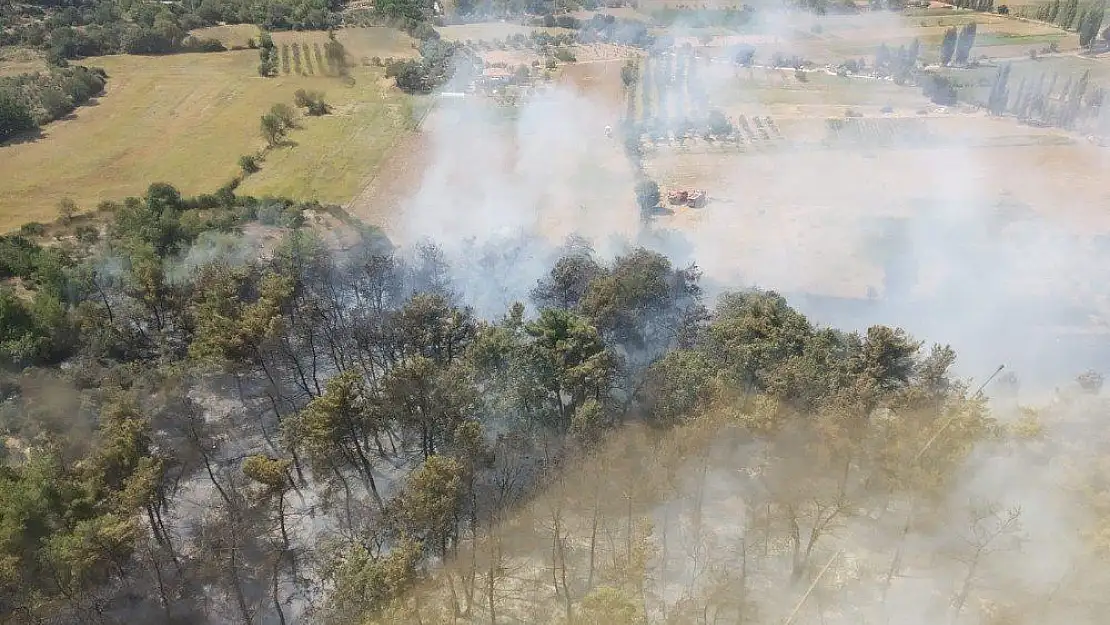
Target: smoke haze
938, 238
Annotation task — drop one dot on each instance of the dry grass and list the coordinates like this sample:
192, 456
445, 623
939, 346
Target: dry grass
186, 119
336, 154
601, 79
832, 39
819, 94
823, 200
362, 44
16, 60
231, 35
491, 30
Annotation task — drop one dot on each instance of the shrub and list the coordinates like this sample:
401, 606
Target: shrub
565, 55
312, 101
248, 163
285, 114
15, 115
87, 234
32, 229
67, 208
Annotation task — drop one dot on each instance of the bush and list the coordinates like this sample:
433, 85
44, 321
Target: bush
55, 105
87, 234
248, 163
940, 90
568, 21
312, 101
192, 44
67, 209
32, 229
647, 196
15, 116
285, 114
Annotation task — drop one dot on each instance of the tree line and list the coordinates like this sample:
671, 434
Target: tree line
99, 27
1069, 103
28, 101
1084, 19
956, 46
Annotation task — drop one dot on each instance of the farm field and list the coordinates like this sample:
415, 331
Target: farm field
547, 166
835, 38
186, 119
488, 31
231, 35
362, 43
975, 199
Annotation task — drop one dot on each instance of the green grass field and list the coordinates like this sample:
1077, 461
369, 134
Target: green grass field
334, 155
186, 119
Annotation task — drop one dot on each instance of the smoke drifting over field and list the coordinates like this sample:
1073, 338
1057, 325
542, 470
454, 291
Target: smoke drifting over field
926, 238
929, 239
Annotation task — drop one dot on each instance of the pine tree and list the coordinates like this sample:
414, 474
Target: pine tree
1090, 24
1068, 14
948, 46
1000, 95
1019, 101
1075, 101
964, 41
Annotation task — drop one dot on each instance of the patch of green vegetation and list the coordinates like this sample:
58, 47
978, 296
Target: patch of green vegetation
30, 100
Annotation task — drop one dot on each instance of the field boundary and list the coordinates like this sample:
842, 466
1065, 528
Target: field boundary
349, 206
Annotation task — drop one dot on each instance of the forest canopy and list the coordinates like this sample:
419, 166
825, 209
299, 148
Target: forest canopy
268, 427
